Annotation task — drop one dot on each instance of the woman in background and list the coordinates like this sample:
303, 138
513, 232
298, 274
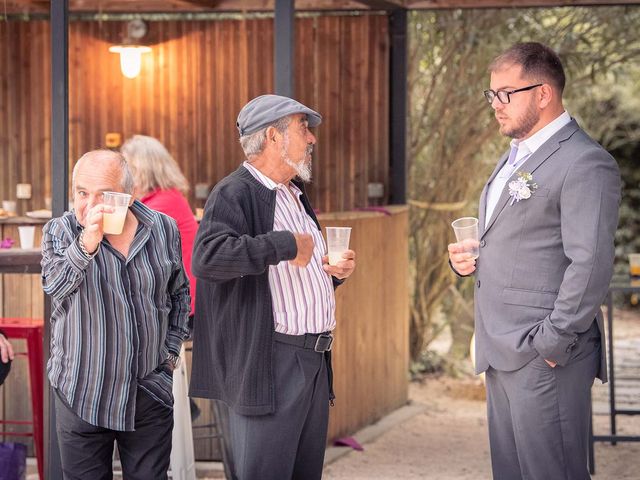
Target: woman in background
161, 186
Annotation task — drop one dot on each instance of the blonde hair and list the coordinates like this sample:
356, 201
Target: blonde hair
152, 165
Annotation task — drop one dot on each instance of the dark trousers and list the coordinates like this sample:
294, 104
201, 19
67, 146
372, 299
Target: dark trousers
86, 451
290, 443
539, 417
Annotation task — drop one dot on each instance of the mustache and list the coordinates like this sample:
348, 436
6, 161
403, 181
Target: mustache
309, 149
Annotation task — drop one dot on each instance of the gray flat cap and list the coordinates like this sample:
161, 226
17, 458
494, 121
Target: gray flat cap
266, 109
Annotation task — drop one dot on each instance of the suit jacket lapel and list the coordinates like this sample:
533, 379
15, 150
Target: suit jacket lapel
530, 165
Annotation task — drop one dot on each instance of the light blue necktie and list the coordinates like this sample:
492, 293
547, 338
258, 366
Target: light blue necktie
511, 161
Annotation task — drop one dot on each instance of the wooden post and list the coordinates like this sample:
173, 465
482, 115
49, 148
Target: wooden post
398, 106
60, 195
284, 32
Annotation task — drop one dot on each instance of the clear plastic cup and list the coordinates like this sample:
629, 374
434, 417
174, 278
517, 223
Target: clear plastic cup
337, 243
113, 223
9, 206
634, 264
466, 230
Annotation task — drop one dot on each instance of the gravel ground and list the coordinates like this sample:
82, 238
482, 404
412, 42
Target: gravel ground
448, 439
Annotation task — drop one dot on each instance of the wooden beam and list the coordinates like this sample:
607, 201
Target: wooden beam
41, 7
383, 4
19, 7
444, 4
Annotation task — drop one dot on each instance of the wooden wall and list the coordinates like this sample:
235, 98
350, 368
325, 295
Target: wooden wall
189, 92
371, 352
188, 95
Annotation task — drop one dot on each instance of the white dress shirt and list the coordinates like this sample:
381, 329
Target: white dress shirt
302, 298
526, 148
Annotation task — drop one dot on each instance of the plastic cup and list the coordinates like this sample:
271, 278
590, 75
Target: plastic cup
27, 233
9, 206
113, 223
337, 243
634, 264
466, 230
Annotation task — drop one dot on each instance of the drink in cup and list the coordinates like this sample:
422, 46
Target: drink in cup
634, 264
113, 222
337, 243
466, 230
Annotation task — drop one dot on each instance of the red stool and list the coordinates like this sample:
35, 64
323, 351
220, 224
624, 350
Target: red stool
30, 329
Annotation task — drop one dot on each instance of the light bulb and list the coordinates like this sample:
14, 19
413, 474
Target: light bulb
130, 58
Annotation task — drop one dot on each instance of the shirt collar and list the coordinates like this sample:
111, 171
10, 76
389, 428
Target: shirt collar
143, 213
267, 182
534, 142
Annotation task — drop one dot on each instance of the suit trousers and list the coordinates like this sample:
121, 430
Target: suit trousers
539, 416
290, 443
86, 451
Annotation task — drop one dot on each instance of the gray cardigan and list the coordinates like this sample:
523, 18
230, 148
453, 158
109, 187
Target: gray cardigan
233, 327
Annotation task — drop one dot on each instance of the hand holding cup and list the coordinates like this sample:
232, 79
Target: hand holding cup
342, 268
464, 252
93, 226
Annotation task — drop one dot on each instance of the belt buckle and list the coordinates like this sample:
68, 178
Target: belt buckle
323, 343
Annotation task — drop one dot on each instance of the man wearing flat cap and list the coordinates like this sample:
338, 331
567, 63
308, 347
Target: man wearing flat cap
265, 301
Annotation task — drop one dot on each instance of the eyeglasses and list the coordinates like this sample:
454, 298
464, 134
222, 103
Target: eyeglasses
505, 95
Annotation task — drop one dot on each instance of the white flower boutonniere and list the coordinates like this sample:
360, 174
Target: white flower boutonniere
522, 187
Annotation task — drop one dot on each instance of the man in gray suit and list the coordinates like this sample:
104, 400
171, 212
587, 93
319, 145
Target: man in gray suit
547, 220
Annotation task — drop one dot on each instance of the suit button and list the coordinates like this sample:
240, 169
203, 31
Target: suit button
478, 284
483, 243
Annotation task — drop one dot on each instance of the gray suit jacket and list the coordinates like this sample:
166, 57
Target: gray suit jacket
546, 262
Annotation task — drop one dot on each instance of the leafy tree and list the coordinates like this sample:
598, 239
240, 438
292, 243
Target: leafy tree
453, 140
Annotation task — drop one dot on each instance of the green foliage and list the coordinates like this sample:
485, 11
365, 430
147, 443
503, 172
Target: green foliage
628, 234
454, 142
429, 362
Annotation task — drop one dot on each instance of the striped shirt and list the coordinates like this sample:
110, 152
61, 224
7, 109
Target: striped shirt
303, 298
114, 319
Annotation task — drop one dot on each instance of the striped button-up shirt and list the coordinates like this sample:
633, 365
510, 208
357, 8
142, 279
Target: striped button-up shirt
303, 298
114, 319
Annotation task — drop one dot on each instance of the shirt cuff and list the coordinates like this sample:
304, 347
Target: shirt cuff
78, 260
174, 341
285, 244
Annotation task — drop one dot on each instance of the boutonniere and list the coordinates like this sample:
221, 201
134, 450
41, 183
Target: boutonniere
522, 187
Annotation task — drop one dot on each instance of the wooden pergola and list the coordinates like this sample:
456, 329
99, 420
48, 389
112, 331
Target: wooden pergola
59, 11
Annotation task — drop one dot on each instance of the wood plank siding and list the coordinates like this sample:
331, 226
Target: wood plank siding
189, 92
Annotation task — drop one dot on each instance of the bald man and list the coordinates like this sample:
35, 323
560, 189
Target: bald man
120, 307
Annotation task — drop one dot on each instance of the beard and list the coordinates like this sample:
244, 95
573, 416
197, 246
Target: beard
524, 124
303, 166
